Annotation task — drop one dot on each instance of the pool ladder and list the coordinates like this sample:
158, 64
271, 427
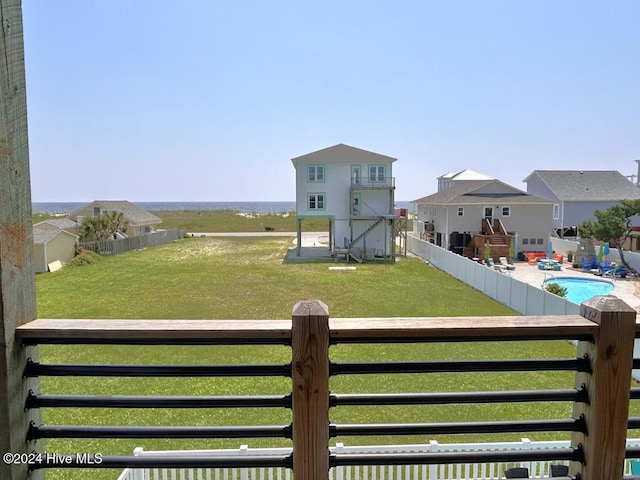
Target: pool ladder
547, 276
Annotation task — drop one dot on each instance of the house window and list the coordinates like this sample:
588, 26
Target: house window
556, 211
96, 211
315, 173
540, 241
355, 174
376, 173
315, 201
461, 211
525, 241
506, 211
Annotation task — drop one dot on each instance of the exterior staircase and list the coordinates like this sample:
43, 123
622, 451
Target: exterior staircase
360, 237
497, 237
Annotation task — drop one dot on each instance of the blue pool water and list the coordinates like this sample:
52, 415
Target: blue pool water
581, 289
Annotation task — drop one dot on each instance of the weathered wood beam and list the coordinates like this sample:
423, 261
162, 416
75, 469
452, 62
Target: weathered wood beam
606, 414
17, 287
310, 390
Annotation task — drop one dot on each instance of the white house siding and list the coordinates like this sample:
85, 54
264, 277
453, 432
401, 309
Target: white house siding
336, 188
526, 221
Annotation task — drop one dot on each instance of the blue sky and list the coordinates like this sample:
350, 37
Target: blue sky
203, 100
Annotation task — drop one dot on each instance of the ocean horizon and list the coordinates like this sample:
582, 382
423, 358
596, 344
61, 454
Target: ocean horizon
61, 208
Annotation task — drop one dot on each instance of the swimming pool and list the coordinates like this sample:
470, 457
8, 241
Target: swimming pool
581, 289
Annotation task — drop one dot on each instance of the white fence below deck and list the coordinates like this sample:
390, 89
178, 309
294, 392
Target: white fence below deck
480, 471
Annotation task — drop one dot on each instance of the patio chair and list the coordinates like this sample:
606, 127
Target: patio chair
517, 472
605, 266
506, 264
585, 264
493, 265
559, 471
635, 467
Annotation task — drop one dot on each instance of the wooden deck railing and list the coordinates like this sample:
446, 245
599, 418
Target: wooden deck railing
605, 331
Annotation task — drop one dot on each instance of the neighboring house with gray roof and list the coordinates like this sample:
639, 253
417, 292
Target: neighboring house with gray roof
140, 220
52, 245
452, 217
67, 224
576, 194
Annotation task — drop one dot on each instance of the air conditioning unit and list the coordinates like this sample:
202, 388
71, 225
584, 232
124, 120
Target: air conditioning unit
429, 227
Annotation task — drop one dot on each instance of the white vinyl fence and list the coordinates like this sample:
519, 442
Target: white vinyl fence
404, 472
520, 296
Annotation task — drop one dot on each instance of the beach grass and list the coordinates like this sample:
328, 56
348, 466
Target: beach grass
201, 221
247, 278
233, 221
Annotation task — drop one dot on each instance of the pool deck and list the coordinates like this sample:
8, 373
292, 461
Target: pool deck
624, 288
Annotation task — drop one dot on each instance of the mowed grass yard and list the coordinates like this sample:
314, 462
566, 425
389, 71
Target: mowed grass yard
247, 278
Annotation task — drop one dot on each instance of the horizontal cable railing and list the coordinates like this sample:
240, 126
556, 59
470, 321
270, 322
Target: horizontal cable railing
509, 329
310, 334
191, 334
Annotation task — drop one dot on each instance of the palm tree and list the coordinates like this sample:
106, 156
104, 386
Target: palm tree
104, 227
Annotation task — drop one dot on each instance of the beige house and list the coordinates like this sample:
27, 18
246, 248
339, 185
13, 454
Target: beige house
52, 245
66, 224
140, 221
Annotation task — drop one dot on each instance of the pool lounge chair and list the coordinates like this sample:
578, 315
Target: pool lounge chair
493, 265
605, 266
506, 264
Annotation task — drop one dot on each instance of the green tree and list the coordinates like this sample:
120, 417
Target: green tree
103, 227
613, 225
115, 222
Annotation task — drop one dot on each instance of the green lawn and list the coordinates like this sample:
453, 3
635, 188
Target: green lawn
240, 278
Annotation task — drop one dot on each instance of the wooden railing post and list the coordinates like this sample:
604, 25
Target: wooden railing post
606, 414
17, 287
310, 390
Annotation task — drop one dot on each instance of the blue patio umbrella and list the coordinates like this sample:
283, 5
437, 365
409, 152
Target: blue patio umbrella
606, 249
550, 250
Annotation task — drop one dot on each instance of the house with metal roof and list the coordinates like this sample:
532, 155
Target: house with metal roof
51, 245
140, 221
471, 214
353, 189
576, 194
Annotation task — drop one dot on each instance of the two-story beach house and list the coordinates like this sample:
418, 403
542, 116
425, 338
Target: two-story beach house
354, 190
466, 216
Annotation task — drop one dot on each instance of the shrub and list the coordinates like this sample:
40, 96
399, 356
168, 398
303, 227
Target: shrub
84, 257
556, 289
269, 229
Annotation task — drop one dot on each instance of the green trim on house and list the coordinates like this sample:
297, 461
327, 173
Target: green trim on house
319, 173
356, 179
376, 178
302, 217
322, 201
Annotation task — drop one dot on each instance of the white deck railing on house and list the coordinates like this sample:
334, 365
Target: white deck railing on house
405, 472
